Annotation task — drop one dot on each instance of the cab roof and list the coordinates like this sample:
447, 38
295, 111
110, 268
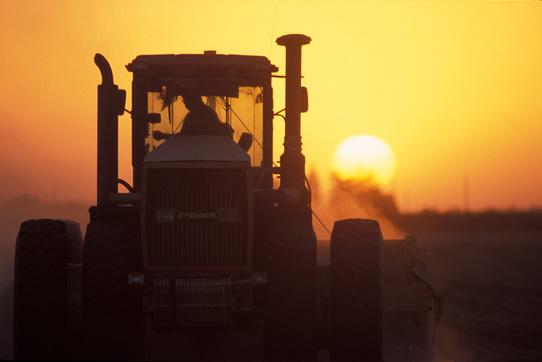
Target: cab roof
207, 64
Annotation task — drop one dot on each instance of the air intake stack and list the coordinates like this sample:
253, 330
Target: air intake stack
111, 102
292, 161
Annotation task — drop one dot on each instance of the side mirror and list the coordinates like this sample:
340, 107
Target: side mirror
304, 100
154, 118
157, 135
245, 141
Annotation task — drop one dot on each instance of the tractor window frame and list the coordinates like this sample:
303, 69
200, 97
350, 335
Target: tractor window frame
140, 126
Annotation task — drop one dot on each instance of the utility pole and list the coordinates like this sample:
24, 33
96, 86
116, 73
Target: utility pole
466, 193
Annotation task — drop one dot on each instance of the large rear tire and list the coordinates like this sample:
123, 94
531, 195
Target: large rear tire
290, 315
356, 291
42, 253
112, 310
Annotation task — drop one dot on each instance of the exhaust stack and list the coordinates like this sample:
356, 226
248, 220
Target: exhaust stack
292, 161
111, 101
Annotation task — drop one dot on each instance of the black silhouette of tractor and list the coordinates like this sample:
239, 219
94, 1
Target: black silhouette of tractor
203, 257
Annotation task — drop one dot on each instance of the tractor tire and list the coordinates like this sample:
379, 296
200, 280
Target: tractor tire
356, 320
290, 315
41, 289
112, 310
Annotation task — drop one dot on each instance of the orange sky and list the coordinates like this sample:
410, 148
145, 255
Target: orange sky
454, 87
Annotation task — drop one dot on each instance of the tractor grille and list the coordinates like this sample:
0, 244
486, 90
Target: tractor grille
203, 302
196, 218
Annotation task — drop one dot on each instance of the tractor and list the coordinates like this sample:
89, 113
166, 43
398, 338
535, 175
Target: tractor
210, 253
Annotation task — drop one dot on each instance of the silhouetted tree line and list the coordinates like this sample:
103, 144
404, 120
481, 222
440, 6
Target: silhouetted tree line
371, 201
471, 221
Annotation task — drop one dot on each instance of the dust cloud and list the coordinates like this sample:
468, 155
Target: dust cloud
353, 199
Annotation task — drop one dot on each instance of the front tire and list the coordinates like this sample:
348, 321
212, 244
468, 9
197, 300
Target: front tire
43, 250
112, 310
290, 316
356, 291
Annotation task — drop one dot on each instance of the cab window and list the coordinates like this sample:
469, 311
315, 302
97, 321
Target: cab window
244, 113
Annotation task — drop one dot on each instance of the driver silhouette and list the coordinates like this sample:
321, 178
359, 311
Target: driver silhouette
201, 119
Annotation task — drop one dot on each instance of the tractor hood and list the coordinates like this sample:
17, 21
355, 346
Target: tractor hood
198, 148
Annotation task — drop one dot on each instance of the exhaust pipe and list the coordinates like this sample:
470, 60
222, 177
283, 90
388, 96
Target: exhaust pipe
292, 161
111, 101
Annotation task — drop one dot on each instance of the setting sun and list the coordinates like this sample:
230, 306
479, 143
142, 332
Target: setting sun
366, 158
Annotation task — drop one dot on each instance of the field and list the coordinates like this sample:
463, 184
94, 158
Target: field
491, 283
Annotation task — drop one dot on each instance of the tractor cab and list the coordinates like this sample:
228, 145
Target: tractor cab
201, 135
236, 88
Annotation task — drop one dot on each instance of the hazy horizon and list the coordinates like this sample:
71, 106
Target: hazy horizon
453, 87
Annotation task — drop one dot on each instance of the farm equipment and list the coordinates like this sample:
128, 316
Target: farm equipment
202, 257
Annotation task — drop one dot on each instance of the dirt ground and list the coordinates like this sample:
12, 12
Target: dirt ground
491, 284
492, 287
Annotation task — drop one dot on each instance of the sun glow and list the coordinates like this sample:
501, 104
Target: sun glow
364, 158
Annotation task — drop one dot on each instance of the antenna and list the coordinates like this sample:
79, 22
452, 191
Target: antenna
273, 29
